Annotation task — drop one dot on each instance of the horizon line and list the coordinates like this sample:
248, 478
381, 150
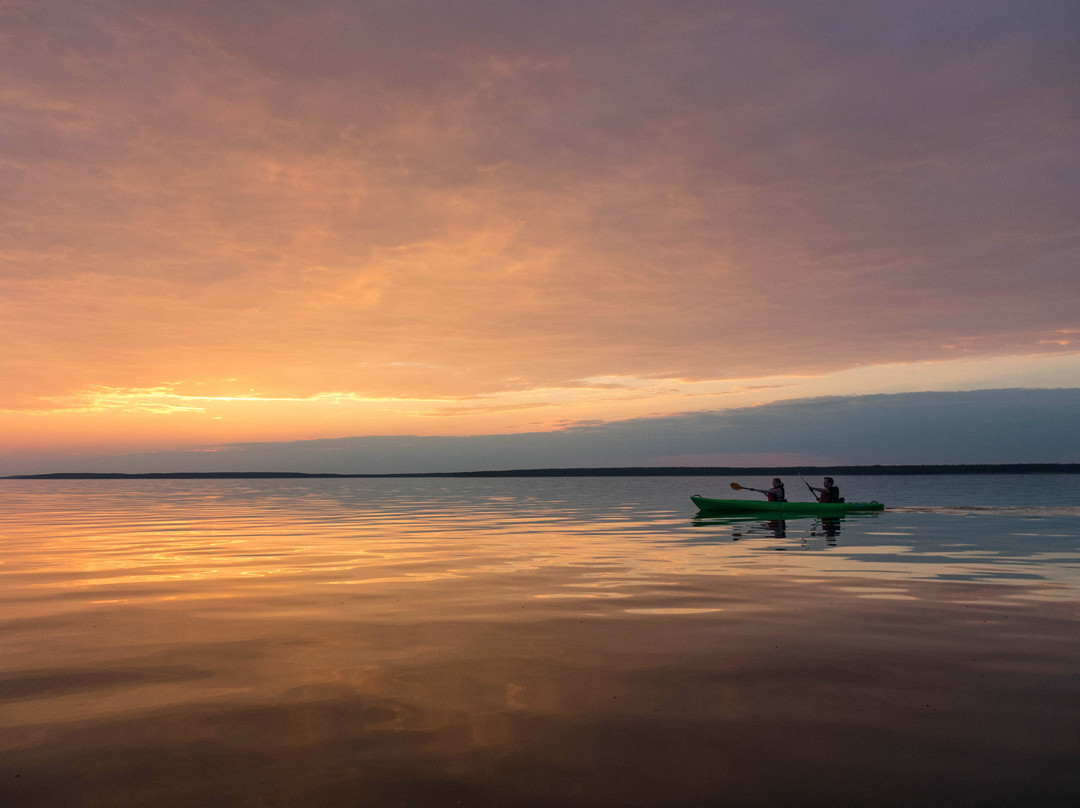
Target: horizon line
587, 471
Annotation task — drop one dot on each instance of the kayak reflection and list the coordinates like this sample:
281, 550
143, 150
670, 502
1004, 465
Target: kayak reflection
803, 528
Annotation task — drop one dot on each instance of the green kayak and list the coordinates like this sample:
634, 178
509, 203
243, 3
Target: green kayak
762, 506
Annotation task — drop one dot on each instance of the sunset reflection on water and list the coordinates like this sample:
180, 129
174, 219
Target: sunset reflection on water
517, 642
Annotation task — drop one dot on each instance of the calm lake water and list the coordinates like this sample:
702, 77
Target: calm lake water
537, 642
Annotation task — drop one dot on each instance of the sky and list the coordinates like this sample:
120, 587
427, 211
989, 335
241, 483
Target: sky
281, 224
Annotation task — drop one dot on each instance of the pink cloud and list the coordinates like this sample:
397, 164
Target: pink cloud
505, 198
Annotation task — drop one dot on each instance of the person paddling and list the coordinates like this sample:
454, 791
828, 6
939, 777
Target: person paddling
829, 493
774, 494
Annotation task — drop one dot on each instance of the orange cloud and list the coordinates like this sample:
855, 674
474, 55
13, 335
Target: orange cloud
491, 211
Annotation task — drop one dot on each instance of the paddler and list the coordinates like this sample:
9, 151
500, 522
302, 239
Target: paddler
774, 494
830, 492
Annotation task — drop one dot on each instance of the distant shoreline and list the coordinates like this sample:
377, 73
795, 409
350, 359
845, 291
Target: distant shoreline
620, 471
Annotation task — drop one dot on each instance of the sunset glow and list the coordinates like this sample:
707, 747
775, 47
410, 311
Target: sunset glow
332, 219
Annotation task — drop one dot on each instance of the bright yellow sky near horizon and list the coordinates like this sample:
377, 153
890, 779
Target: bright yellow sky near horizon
347, 219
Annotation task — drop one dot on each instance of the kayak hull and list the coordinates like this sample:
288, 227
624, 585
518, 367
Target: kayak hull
759, 506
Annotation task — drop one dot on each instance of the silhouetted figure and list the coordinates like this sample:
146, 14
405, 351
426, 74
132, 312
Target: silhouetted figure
829, 493
774, 494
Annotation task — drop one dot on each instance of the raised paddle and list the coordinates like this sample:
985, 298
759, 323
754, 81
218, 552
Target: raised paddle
736, 487
815, 496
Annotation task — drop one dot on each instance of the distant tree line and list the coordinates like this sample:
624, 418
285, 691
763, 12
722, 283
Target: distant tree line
624, 471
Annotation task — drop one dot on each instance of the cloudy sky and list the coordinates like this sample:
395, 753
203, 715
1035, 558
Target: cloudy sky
228, 223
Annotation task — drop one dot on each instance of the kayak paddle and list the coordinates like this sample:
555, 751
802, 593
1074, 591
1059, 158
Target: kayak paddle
815, 496
736, 487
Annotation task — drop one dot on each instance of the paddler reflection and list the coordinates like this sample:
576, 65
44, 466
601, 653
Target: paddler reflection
777, 528
829, 527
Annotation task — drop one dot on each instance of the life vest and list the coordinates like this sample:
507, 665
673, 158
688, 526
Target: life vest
777, 497
831, 494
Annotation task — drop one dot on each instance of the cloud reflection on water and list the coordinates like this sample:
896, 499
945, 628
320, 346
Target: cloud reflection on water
348, 650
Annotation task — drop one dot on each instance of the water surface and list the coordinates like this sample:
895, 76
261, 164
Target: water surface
587, 641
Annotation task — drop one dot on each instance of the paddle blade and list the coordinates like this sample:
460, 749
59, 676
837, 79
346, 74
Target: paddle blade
736, 487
